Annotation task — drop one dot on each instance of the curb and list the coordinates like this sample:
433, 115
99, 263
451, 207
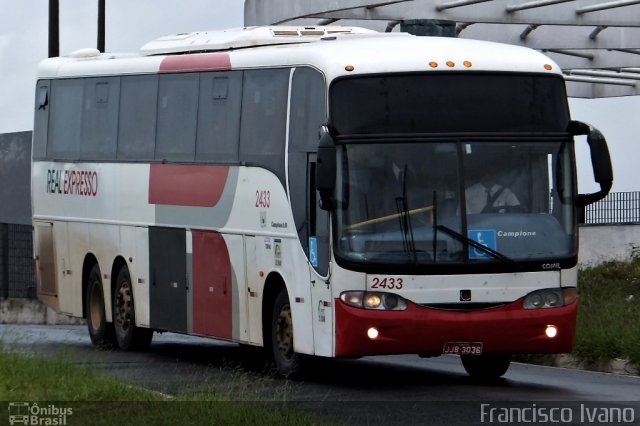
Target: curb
614, 366
32, 311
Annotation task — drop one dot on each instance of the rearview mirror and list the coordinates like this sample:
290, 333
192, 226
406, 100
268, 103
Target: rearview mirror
600, 161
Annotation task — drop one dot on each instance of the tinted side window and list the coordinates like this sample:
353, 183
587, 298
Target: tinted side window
41, 119
65, 119
137, 129
100, 118
264, 110
308, 110
219, 116
177, 114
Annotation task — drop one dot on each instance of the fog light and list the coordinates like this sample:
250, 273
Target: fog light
372, 333
551, 331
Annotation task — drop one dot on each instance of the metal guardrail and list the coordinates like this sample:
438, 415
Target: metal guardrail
17, 274
615, 208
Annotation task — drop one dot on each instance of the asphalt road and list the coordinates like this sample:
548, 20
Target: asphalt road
372, 390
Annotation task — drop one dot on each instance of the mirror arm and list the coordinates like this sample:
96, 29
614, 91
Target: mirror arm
326, 169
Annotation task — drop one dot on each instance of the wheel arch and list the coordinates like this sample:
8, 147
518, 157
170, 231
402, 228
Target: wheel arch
87, 265
273, 285
118, 263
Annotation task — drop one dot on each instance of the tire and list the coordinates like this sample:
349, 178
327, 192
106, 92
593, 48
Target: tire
128, 336
101, 332
288, 363
486, 367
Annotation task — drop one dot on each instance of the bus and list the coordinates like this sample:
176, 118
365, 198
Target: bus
308, 190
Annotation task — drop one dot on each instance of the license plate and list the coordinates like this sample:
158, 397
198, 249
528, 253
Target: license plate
462, 348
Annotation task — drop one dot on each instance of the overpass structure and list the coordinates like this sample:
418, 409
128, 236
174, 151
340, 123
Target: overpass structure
595, 42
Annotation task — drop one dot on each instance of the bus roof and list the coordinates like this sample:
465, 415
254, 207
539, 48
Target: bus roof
336, 51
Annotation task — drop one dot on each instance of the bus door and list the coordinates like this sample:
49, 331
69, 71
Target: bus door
318, 254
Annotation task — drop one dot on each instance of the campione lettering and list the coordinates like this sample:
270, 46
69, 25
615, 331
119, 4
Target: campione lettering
516, 234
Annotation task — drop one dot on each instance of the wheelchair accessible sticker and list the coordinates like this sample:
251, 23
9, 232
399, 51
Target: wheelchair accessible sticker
313, 251
486, 237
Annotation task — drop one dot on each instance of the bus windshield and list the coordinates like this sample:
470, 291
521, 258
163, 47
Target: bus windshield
458, 202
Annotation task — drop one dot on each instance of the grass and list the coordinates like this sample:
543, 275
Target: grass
608, 323
98, 399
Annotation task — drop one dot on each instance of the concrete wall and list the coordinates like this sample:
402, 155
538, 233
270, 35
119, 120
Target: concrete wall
601, 243
15, 175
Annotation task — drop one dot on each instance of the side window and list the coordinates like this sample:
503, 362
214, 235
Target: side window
219, 117
308, 110
65, 124
137, 125
41, 119
100, 118
177, 115
264, 114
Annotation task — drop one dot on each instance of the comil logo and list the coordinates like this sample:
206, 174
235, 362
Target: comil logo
25, 413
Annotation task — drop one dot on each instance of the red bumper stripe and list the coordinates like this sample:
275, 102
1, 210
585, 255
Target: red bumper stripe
420, 330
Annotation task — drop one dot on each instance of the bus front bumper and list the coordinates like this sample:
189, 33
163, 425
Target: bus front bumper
426, 331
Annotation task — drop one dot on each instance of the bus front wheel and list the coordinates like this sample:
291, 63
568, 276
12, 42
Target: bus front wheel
101, 332
486, 367
129, 336
288, 362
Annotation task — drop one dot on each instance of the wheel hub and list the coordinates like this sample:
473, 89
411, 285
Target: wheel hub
284, 332
123, 306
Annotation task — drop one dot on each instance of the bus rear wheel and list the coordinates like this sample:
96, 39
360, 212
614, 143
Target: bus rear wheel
101, 332
288, 362
128, 336
486, 367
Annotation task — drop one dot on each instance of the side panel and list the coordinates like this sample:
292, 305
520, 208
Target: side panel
78, 237
45, 264
168, 290
212, 286
254, 287
134, 247
236, 250
63, 267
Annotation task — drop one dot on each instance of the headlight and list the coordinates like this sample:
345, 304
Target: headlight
550, 298
374, 300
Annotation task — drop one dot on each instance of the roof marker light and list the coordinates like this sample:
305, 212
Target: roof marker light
548, 67
433, 64
467, 64
451, 64
349, 68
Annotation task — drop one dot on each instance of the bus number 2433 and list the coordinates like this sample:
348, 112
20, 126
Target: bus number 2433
263, 199
387, 283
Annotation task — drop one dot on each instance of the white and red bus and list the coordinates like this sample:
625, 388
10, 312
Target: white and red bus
309, 190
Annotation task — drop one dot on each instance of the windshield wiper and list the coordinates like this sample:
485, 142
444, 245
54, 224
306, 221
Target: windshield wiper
458, 236
402, 206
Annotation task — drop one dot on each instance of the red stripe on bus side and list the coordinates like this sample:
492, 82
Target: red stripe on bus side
186, 185
212, 286
196, 62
